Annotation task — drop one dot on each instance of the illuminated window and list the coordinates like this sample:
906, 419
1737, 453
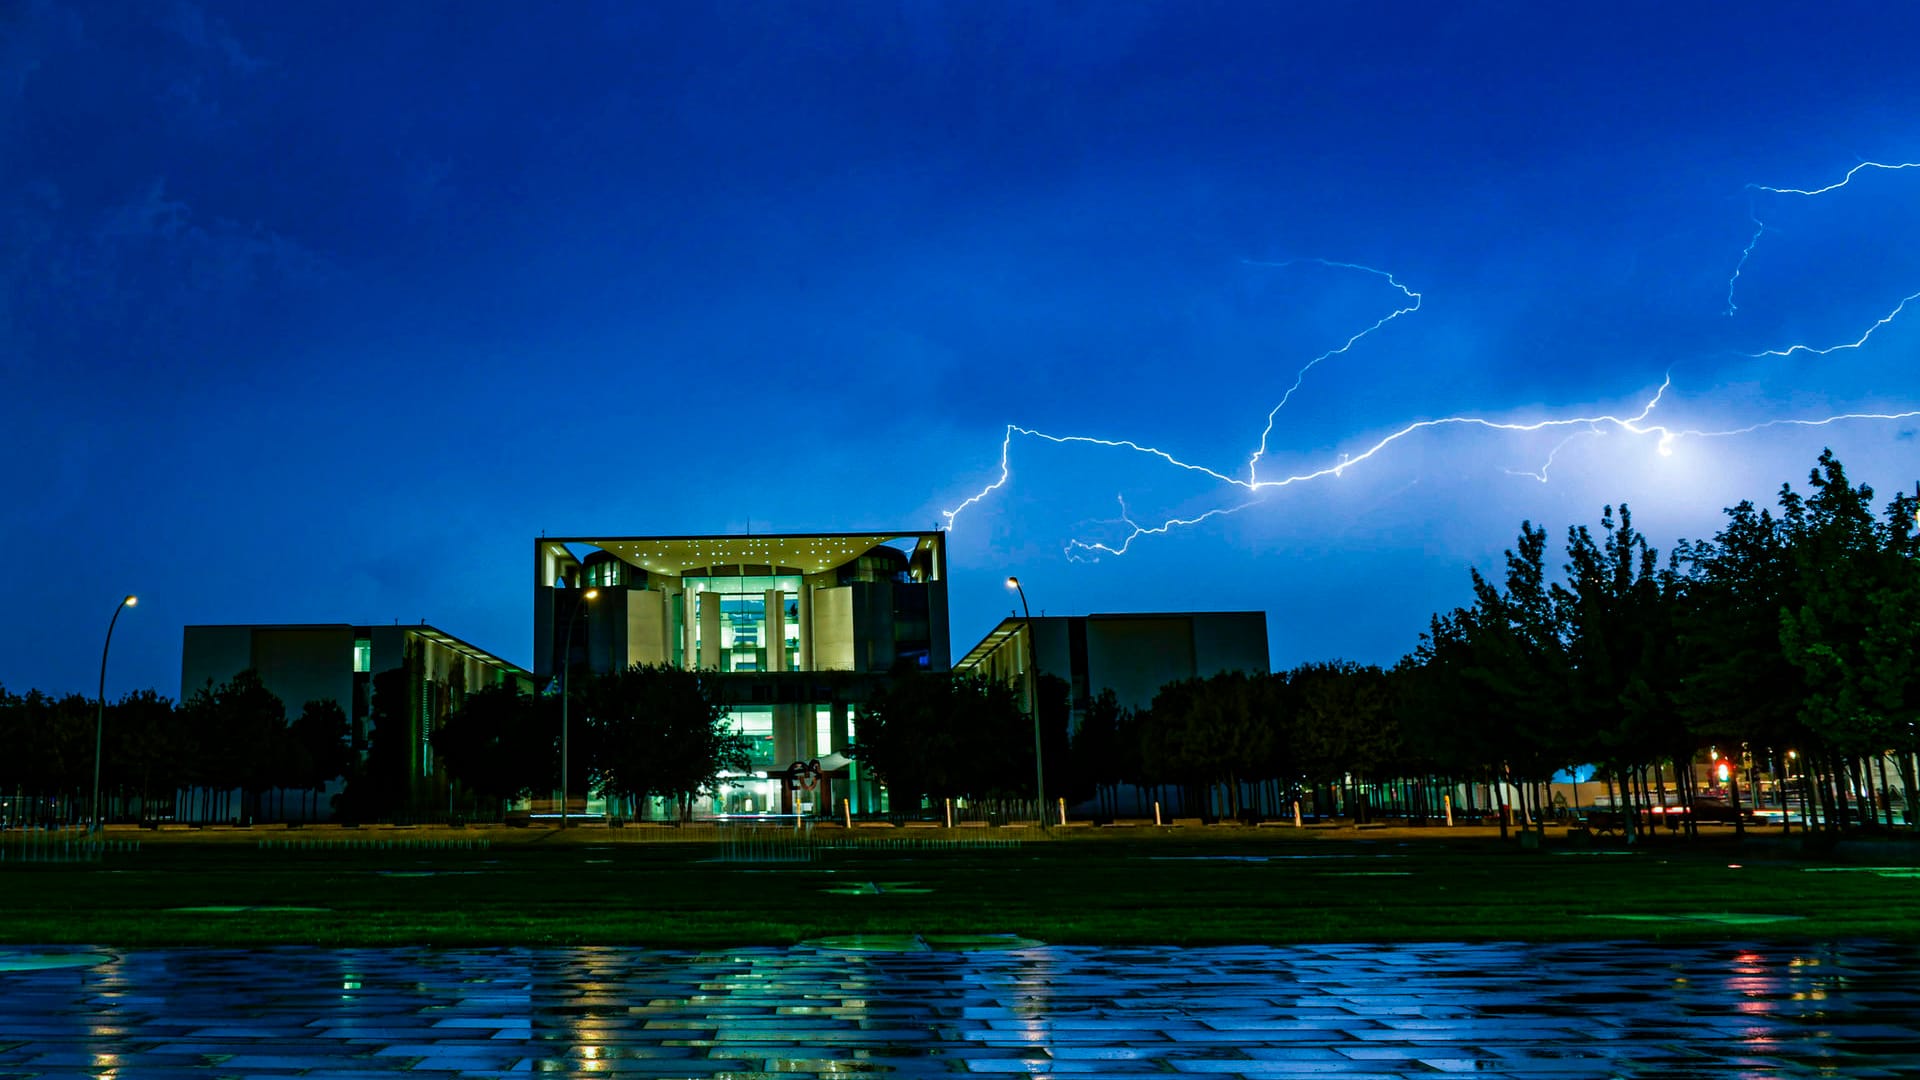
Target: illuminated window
362, 655
757, 726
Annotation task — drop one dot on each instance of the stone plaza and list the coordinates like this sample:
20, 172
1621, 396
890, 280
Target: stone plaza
908, 1007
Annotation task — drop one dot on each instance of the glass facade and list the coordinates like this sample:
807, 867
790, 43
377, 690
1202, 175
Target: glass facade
745, 640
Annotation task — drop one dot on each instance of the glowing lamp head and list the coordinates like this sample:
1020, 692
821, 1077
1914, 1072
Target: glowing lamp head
1013, 582
131, 601
590, 594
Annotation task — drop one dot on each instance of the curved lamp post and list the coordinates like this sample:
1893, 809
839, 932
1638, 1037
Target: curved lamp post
100, 711
566, 667
1033, 702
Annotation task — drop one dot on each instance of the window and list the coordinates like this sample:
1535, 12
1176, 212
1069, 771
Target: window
757, 726
362, 656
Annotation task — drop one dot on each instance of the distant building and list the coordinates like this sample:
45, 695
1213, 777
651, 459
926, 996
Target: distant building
798, 629
302, 662
1133, 654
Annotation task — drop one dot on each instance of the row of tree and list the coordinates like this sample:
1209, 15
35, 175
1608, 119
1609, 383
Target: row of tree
1787, 642
1789, 635
159, 760
631, 735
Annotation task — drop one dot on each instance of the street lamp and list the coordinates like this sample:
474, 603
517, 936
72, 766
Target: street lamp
100, 711
1033, 702
566, 666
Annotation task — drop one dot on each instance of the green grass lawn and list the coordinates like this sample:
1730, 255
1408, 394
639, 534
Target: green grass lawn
1153, 889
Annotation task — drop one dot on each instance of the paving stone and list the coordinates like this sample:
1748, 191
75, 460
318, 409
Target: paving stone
1561, 1012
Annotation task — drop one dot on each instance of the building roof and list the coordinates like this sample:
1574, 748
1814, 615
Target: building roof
809, 553
1010, 626
431, 633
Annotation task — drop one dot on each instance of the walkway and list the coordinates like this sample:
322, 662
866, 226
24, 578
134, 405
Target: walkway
1714, 1012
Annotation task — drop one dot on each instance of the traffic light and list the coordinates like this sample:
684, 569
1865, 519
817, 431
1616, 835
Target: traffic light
1723, 770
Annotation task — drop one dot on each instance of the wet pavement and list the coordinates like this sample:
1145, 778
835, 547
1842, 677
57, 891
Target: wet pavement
1559, 1011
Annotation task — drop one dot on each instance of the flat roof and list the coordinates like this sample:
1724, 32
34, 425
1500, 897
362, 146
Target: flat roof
809, 553
1011, 625
431, 633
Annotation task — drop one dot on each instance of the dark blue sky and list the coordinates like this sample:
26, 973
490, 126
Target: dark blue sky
323, 312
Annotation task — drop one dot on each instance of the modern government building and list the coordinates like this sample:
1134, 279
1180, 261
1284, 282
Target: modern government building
798, 631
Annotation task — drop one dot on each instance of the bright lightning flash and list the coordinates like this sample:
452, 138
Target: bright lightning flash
1253, 489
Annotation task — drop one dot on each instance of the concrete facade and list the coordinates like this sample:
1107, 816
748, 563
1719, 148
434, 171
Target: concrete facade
1133, 654
338, 662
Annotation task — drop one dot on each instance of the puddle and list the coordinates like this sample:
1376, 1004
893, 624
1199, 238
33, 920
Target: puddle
875, 888
1369, 873
916, 943
1877, 871
15, 961
231, 909
1722, 918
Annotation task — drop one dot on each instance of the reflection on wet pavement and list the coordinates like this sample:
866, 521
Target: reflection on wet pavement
1563, 1011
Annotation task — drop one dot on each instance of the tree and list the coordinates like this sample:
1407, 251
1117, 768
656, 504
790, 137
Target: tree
936, 735
1214, 732
322, 739
1098, 764
658, 730
240, 734
145, 747
1341, 726
497, 744
380, 785
1852, 632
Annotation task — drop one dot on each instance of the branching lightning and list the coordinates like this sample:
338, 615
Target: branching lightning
1837, 184
1759, 230
1253, 464
1253, 489
1845, 345
1541, 473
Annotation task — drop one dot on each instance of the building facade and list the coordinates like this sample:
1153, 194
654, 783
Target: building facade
1132, 654
339, 662
798, 631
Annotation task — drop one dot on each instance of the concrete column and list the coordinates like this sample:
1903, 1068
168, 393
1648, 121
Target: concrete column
806, 627
710, 632
776, 630
837, 726
687, 659
785, 749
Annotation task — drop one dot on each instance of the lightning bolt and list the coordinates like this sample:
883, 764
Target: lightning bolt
1541, 475
1759, 230
1845, 345
1837, 184
1254, 489
1253, 463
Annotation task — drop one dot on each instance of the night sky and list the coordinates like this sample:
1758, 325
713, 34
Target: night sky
323, 312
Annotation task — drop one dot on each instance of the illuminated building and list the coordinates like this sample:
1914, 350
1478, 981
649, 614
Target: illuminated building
798, 631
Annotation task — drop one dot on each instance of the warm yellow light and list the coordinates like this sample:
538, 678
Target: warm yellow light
132, 600
590, 594
1013, 583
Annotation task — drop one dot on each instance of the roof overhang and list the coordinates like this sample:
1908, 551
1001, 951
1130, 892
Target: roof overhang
809, 553
998, 636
